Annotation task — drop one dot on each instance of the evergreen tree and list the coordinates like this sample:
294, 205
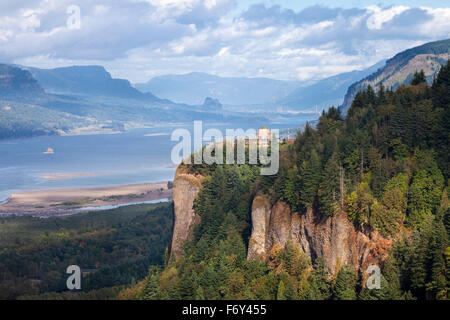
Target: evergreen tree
291, 189
199, 295
386, 164
381, 94
378, 172
329, 189
436, 287
371, 96
419, 77
441, 88
320, 288
310, 175
152, 285
345, 285
280, 291
425, 192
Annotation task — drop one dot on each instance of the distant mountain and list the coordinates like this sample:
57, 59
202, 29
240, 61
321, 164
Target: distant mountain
87, 80
88, 100
212, 104
326, 92
400, 69
15, 81
193, 88
261, 93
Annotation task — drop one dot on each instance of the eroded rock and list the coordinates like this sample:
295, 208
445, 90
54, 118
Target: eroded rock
335, 239
185, 189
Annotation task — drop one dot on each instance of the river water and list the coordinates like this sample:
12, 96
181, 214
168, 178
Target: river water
136, 156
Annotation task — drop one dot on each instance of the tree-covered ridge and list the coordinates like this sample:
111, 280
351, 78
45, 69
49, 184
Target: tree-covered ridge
389, 157
429, 57
117, 247
385, 165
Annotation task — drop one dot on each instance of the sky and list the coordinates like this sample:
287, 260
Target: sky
289, 40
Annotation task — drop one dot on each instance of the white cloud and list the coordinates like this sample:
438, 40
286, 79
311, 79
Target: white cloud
440, 23
137, 39
379, 16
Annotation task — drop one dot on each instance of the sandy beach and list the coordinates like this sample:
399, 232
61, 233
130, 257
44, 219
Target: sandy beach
64, 201
54, 176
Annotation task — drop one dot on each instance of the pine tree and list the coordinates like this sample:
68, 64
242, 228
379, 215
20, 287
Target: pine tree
391, 273
425, 192
417, 260
371, 96
441, 102
381, 94
329, 190
441, 88
437, 286
291, 189
419, 77
378, 172
345, 286
199, 295
310, 175
152, 285
320, 288
280, 291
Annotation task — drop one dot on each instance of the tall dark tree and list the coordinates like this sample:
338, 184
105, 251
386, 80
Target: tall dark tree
320, 288
441, 88
345, 285
419, 77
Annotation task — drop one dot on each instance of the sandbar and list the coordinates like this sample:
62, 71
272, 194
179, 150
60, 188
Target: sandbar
63, 201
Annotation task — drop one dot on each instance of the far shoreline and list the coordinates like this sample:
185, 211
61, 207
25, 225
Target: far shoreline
64, 201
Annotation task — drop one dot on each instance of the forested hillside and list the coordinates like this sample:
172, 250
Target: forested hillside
429, 57
113, 248
385, 166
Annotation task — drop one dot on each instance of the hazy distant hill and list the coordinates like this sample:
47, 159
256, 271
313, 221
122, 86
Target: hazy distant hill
212, 104
87, 100
400, 69
261, 93
18, 117
87, 80
326, 92
14, 81
193, 88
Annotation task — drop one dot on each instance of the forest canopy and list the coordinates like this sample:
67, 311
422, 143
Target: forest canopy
385, 163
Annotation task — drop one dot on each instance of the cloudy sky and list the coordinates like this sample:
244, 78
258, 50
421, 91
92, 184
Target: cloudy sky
291, 39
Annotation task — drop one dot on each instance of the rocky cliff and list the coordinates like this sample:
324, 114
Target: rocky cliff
335, 239
185, 188
15, 81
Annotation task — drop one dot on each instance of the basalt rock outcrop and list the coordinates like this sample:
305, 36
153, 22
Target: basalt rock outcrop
185, 188
335, 239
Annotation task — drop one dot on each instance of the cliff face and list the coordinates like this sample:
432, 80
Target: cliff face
335, 239
185, 189
15, 81
259, 242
